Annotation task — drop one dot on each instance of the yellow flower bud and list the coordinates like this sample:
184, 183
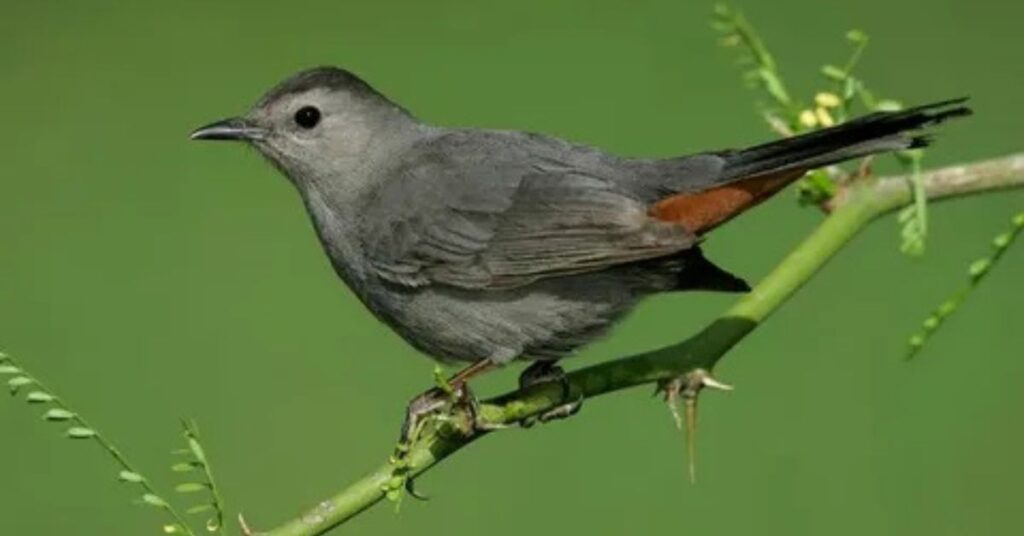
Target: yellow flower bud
824, 117
827, 100
808, 119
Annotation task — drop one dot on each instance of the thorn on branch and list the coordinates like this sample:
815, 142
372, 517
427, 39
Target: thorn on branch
688, 388
244, 528
864, 170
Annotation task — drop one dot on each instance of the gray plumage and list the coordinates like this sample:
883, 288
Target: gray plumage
475, 244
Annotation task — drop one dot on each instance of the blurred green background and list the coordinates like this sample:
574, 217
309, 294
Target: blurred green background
147, 277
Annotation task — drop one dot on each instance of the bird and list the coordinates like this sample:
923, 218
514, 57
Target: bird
483, 246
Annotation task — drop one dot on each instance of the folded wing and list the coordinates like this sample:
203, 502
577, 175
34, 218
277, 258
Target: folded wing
505, 210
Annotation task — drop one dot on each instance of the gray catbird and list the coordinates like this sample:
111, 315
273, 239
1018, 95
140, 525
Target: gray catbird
484, 246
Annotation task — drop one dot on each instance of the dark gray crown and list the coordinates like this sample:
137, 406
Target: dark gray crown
332, 78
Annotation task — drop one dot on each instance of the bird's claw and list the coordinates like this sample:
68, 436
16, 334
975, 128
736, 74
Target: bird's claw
244, 527
433, 404
548, 372
437, 405
563, 411
440, 404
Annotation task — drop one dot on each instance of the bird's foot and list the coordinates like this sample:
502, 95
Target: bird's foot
548, 372
449, 407
688, 388
450, 402
436, 405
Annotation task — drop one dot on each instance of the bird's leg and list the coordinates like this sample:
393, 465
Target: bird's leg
546, 371
453, 391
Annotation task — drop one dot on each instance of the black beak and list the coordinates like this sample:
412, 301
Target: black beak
230, 129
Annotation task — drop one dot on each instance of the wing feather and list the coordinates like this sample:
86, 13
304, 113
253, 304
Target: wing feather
504, 211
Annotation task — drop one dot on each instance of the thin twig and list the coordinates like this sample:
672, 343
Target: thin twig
151, 496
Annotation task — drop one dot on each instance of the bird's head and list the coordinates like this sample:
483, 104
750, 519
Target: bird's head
319, 122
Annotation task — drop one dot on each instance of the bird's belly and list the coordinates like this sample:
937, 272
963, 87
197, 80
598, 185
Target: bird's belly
547, 320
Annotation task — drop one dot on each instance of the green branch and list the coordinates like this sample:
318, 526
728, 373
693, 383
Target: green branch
852, 209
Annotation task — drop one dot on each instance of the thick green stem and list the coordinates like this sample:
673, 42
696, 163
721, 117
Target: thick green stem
852, 211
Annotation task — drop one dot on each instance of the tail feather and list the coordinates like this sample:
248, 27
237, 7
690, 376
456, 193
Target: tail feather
874, 133
752, 175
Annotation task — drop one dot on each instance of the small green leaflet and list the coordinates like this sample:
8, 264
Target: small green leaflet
190, 487
128, 476
183, 467
197, 450
38, 397
58, 414
154, 500
199, 508
18, 382
79, 432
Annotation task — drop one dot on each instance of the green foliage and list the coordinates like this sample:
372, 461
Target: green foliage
128, 476
58, 414
196, 462
80, 432
843, 93
976, 272
395, 487
761, 68
77, 428
914, 218
442, 381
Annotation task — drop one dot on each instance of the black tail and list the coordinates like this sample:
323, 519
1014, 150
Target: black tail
875, 133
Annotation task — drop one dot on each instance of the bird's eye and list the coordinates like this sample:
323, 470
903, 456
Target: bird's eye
307, 117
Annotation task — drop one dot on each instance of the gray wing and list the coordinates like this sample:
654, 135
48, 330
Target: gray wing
481, 210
